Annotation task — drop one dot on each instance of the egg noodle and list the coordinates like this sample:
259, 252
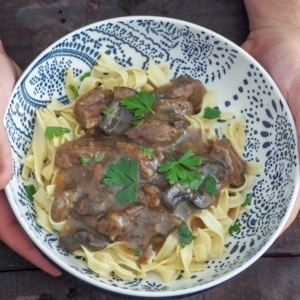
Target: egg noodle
171, 260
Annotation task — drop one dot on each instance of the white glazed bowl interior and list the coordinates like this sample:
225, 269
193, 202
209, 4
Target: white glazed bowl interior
243, 87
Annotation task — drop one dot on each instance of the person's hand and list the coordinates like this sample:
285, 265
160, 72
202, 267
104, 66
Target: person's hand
274, 41
11, 232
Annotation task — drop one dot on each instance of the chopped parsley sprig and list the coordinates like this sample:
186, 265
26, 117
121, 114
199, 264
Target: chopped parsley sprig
183, 170
74, 90
123, 173
140, 104
52, 131
235, 227
30, 191
248, 199
211, 113
185, 235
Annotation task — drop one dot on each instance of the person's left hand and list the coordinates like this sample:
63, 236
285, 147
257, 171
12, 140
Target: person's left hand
11, 233
274, 41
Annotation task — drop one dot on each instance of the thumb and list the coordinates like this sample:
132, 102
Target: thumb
8, 77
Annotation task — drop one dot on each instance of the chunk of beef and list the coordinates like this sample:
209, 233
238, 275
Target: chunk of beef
171, 111
223, 152
149, 224
63, 204
89, 106
117, 222
191, 88
192, 139
131, 151
153, 133
149, 195
70, 154
118, 121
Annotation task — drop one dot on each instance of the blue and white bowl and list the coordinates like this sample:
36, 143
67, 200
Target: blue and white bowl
243, 87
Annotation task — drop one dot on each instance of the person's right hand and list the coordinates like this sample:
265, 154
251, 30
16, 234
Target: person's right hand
274, 41
11, 233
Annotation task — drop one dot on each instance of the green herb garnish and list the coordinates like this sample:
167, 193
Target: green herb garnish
85, 160
30, 191
147, 151
184, 235
136, 122
183, 170
177, 141
248, 199
179, 277
106, 111
74, 90
125, 172
211, 113
210, 185
52, 132
235, 227
140, 104
84, 75
99, 158
138, 251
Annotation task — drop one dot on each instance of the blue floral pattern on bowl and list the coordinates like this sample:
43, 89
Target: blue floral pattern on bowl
242, 86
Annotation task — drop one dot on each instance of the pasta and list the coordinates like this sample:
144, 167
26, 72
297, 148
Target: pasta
171, 259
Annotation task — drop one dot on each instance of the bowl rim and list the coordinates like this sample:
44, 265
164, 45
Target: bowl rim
185, 291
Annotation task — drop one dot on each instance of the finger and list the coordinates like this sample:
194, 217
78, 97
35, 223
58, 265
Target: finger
8, 75
294, 213
14, 237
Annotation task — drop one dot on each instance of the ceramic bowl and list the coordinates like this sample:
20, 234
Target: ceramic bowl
243, 87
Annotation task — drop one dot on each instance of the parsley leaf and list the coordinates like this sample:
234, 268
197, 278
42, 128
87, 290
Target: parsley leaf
140, 104
106, 111
177, 141
248, 199
30, 191
52, 131
184, 235
136, 122
147, 151
99, 158
85, 160
211, 113
183, 170
138, 251
74, 90
179, 277
210, 185
84, 75
125, 172
235, 227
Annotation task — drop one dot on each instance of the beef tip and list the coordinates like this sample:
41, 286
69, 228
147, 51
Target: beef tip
116, 223
176, 193
76, 233
118, 121
121, 92
191, 88
132, 151
149, 224
223, 152
89, 106
149, 195
63, 204
153, 133
69, 154
192, 139
171, 111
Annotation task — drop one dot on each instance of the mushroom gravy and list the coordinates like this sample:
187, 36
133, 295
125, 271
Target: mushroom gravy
93, 217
